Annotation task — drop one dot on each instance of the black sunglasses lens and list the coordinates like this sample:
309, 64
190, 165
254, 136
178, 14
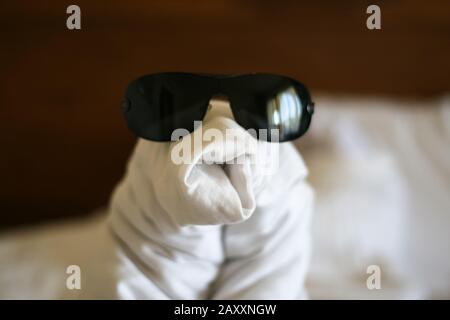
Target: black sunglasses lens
157, 105
165, 106
276, 107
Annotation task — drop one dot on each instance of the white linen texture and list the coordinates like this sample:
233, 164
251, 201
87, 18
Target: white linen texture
198, 230
217, 230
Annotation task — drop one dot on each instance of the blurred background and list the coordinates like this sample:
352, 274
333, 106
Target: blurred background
63, 141
378, 150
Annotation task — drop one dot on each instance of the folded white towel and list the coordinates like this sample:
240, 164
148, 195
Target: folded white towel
213, 230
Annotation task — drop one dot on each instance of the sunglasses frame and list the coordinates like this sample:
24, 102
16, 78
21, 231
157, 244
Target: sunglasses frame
218, 85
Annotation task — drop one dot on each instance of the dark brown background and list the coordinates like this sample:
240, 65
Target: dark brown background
63, 141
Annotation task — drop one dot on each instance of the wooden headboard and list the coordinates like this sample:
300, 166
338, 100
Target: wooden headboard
64, 142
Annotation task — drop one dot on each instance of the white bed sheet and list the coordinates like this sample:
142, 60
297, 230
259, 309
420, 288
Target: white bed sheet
381, 170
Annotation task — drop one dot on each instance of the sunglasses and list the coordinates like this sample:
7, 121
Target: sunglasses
272, 107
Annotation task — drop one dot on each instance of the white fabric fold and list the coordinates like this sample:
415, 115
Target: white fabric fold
169, 217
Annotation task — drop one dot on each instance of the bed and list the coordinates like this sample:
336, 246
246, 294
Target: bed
381, 172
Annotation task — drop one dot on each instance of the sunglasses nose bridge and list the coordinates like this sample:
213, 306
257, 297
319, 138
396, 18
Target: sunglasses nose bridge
219, 106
